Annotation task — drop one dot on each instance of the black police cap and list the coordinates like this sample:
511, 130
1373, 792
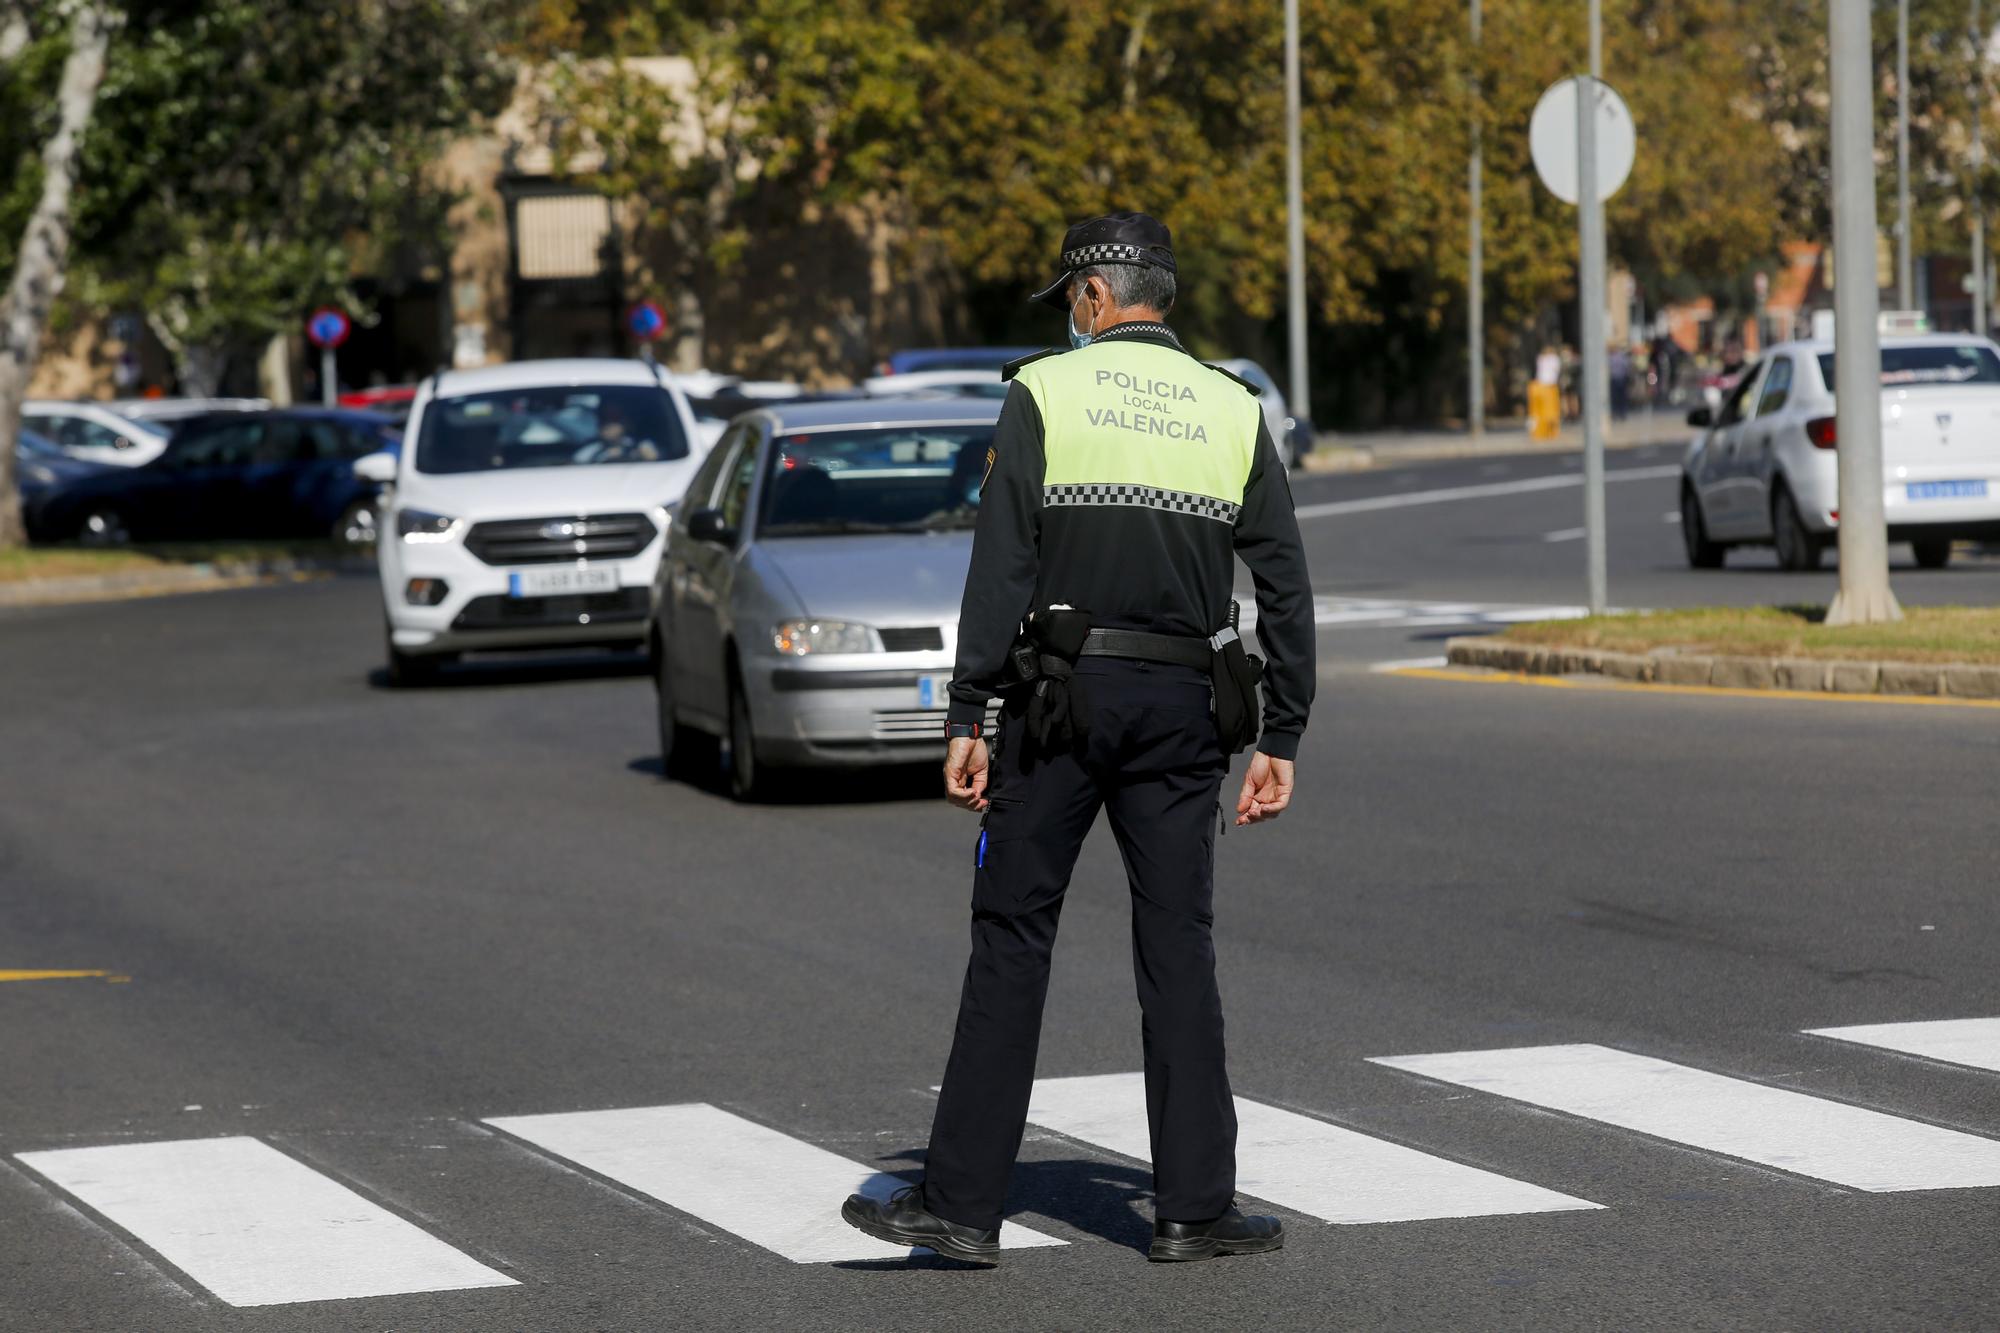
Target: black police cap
1115, 238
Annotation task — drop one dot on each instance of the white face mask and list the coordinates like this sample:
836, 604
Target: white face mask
1079, 339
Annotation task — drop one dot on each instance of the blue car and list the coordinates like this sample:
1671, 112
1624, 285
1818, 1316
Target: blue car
41, 466
911, 359
229, 476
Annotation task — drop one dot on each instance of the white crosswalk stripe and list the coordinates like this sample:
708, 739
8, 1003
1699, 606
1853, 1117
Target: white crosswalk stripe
256, 1227
1298, 1162
1792, 1131
1974, 1042
769, 1188
1383, 613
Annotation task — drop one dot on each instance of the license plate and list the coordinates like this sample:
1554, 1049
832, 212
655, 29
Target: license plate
1946, 490
563, 579
933, 691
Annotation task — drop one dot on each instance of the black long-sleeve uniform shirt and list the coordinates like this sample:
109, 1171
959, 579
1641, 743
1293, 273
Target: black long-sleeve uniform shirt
1151, 558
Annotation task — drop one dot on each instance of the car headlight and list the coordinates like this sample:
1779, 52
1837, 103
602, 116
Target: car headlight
43, 476
798, 638
421, 525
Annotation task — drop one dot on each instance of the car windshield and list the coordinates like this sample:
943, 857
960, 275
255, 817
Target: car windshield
559, 426
1909, 367
882, 479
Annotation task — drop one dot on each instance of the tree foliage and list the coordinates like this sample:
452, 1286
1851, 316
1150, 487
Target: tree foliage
250, 158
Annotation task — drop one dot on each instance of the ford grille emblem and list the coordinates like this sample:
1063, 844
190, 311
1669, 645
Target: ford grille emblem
1944, 420
556, 529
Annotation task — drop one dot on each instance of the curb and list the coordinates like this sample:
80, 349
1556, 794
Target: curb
170, 579
1670, 666
1332, 456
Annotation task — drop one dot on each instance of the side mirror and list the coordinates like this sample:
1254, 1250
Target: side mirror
706, 525
379, 467
1701, 416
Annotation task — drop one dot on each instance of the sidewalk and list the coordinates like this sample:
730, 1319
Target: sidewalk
1350, 451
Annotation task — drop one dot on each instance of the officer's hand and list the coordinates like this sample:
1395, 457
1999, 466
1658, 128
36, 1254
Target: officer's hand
965, 762
1267, 789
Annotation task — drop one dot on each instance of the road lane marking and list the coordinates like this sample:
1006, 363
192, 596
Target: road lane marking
1297, 1162
1792, 1131
1406, 499
769, 1188
1406, 665
1566, 535
1974, 1042
48, 974
1607, 685
256, 1227
1329, 611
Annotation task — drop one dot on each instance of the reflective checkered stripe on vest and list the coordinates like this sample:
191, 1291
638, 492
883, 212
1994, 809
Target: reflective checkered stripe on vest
1137, 425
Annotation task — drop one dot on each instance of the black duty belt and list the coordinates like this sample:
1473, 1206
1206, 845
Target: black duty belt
1143, 647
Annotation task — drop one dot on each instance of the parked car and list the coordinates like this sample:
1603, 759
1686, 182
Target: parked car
1764, 470
806, 611
233, 475
911, 359
974, 383
1293, 442
40, 467
95, 432
529, 508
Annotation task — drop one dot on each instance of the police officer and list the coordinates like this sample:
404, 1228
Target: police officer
1124, 479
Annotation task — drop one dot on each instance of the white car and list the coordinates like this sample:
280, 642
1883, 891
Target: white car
95, 433
970, 383
1764, 470
529, 508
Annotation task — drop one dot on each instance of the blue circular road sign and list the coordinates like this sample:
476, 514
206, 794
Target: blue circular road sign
646, 320
328, 327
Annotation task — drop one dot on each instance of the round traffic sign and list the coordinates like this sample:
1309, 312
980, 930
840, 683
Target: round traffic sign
646, 320
1552, 139
328, 327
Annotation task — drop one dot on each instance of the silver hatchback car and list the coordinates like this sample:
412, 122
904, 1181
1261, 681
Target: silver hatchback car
806, 609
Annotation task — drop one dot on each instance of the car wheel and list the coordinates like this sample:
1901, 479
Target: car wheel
740, 765
1701, 552
104, 526
1932, 552
1798, 549
407, 670
357, 525
674, 737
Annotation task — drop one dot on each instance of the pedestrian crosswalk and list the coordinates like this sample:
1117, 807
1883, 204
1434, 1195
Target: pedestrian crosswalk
250, 1225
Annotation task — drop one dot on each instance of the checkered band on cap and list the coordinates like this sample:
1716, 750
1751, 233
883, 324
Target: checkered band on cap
1145, 497
1109, 253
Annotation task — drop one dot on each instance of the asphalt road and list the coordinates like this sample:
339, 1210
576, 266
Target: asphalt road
355, 924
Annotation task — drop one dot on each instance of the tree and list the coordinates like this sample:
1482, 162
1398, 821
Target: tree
41, 258
251, 157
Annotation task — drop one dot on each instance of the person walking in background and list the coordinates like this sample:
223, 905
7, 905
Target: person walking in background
1545, 396
1618, 377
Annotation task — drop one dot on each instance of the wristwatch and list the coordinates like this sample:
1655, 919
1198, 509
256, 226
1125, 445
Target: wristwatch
970, 731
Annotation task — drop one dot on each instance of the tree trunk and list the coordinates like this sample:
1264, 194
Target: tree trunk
690, 336
44, 250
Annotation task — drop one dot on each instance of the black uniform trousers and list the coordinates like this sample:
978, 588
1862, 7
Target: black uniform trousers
1151, 760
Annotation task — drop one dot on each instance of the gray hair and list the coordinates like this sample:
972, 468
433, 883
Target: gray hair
1142, 285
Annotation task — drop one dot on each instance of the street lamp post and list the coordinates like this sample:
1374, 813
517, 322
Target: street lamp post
1295, 222
1864, 595
1978, 174
1590, 229
1475, 279
1905, 282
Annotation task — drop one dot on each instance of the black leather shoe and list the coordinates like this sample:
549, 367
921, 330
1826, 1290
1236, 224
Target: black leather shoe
903, 1220
1232, 1233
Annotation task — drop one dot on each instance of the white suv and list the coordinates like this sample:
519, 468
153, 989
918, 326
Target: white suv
529, 507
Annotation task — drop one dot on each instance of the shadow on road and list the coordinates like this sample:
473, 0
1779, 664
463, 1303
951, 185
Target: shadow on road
493, 672
1099, 1198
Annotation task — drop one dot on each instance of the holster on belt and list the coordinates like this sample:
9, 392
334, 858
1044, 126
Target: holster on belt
1235, 675
1058, 714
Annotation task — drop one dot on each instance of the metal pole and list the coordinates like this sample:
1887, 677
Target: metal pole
1590, 236
1864, 595
1978, 174
1905, 281
326, 376
1475, 278
1295, 220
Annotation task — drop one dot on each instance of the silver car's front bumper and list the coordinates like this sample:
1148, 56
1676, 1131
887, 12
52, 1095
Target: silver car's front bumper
876, 715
